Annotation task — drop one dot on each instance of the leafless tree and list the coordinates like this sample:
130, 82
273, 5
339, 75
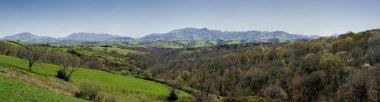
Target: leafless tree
67, 62
32, 53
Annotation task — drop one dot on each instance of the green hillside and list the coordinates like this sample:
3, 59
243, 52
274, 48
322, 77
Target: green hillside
124, 88
121, 46
12, 90
109, 49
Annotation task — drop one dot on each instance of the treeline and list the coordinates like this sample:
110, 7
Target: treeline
345, 68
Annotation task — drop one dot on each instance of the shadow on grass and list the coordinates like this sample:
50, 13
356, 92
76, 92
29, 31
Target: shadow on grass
21, 70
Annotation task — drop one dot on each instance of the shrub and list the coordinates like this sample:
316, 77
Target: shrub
173, 96
125, 73
110, 99
88, 91
66, 62
62, 75
245, 99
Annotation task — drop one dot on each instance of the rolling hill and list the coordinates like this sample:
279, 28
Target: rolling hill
123, 88
92, 37
13, 90
205, 34
28, 37
74, 37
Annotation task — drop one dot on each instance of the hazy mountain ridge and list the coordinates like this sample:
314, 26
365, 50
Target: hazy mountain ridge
206, 34
192, 34
26, 36
89, 37
74, 37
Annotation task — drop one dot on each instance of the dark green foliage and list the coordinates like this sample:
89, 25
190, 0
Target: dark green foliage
172, 96
245, 99
62, 75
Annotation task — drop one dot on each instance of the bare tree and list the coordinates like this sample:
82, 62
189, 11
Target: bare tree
66, 62
32, 53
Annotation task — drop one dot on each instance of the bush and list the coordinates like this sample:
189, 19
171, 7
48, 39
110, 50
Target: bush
173, 96
245, 99
62, 75
275, 92
147, 75
69, 64
125, 73
110, 99
88, 91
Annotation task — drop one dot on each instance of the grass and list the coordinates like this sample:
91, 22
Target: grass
200, 44
125, 88
158, 44
11, 43
212, 42
163, 44
12, 90
184, 42
233, 42
109, 49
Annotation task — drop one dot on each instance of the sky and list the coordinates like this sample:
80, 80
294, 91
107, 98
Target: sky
136, 18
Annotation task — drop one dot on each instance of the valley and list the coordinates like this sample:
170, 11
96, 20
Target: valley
261, 71
189, 51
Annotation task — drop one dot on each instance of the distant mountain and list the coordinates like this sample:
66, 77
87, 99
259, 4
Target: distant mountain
121, 39
89, 37
75, 37
334, 35
28, 37
190, 34
206, 34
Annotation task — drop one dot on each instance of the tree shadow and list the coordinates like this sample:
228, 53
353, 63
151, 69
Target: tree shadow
21, 69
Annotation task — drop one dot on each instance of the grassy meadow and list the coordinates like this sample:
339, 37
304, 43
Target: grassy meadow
123, 88
13, 90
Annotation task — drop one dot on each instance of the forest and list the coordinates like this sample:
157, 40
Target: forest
345, 68
341, 69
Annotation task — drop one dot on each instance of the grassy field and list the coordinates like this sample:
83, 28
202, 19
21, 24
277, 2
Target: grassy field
109, 49
233, 42
124, 88
157, 44
13, 90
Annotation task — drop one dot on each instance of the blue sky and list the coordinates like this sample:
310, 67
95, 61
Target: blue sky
136, 18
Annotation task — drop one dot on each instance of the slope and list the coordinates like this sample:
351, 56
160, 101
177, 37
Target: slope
124, 88
13, 90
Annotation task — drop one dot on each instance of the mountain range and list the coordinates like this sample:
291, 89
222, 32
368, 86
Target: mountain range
206, 34
192, 34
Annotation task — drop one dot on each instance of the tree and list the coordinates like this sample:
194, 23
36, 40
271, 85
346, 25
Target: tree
185, 75
329, 60
360, 88
374, 55
376, 87
32, 53
147, 74
172, 96
6, 49
291, 83
313, 84
66, 62
275, 92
